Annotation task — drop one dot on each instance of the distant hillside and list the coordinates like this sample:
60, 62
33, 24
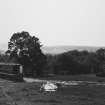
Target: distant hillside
57, 49
3, 48
61, 49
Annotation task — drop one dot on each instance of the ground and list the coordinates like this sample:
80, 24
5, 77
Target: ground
22, 93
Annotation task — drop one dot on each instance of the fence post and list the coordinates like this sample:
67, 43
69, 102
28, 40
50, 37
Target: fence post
21, 72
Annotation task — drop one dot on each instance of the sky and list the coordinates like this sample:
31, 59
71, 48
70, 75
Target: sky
55, 22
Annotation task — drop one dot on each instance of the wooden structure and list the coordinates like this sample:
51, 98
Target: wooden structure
11, 71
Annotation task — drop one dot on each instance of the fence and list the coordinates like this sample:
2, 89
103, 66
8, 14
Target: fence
11, 71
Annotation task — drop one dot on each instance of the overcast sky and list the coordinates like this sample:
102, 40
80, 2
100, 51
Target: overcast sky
55, 22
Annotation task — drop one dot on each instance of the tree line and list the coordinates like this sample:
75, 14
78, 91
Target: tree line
77, 62
26, 50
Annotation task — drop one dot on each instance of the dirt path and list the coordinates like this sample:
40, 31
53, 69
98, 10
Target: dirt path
31, 80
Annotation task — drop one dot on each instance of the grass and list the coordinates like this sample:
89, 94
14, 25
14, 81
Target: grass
73, 95
29, 94
89, 77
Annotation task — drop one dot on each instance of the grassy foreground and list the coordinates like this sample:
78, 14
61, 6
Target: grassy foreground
29, 94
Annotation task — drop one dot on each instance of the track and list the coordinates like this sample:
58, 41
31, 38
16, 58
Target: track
31, 80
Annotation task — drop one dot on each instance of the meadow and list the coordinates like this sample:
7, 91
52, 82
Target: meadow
23, 93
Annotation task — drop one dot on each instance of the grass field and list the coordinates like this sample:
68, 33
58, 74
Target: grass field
12, 93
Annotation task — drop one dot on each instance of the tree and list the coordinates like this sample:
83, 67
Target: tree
26, 49
101, 57
65, 64
101, 54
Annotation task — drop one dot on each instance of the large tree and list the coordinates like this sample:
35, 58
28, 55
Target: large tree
26, 49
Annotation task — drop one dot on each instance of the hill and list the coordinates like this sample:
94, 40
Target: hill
61, 49
57, 49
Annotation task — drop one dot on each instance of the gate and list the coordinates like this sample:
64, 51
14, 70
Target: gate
11, 71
